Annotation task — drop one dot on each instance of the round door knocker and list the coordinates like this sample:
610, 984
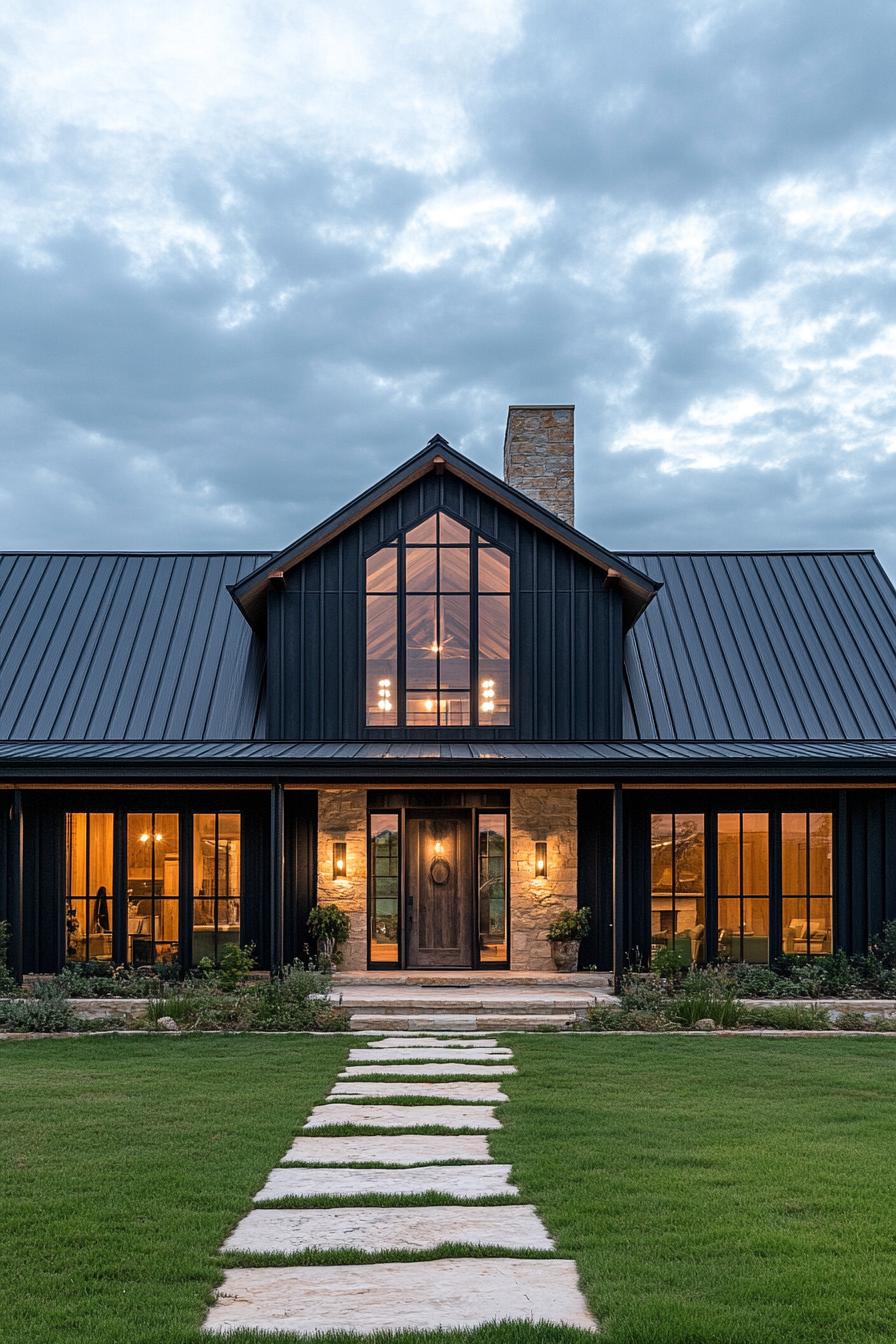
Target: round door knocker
439, 872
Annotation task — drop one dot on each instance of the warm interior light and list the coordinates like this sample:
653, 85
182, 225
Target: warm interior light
435, 647
340, 866
487, 703
428, 705
144, 837
158, 836
384, 704
438, 846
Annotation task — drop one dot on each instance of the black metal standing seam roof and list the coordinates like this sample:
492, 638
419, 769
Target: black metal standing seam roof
127, 647
147, 657
757, 646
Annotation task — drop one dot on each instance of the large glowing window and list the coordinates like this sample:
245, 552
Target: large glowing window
437, 605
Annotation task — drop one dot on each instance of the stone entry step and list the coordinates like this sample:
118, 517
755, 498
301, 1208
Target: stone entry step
287, 1231
452, 1294
468, 1182
369, 1022
361, 1116
401, 1150
432, 1091
508, 980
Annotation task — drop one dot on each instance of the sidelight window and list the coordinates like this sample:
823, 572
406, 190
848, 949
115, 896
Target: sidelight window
384, 888
437, 610
492, 855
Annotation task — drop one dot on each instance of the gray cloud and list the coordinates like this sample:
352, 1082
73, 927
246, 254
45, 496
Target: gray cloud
238, 287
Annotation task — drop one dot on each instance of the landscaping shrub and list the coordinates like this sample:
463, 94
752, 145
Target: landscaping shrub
296, 1000
687, 1009
233, 968
8, 983
788, 1017
47, 1010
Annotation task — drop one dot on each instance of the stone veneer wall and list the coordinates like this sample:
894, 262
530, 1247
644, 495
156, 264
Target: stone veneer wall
342, 815
537, 813
539, 449
540, 813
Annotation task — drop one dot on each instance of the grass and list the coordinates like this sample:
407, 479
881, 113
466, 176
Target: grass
712, 1190
124, 1162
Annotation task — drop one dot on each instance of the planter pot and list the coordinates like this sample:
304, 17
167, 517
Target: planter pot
565, 955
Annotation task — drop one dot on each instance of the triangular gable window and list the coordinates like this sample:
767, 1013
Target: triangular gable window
438, 629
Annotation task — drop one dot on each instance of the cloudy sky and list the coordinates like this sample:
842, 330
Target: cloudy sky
252, 255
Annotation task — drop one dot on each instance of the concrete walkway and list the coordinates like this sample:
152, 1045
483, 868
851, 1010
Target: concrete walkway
439, 1293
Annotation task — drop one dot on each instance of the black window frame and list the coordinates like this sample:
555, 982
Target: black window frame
478, 722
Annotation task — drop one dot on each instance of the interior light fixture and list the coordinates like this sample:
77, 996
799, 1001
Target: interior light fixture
487, 699
340, 860
541, 858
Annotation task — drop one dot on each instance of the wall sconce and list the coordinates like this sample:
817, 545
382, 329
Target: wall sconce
340, 863
541, 858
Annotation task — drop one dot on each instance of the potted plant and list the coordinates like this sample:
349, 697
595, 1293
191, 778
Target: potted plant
564, 935
331, 927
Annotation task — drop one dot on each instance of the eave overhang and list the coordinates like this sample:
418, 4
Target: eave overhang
311, 764
636, 587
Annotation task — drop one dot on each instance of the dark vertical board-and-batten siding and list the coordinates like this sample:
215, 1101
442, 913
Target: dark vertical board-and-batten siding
566, 630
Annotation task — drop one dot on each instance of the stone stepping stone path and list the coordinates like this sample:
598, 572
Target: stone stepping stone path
442, 1091
447, 1070
417, 1056
472, 1182
454, 1293
390, 1150
402, 1117
287, 1231
443, 1043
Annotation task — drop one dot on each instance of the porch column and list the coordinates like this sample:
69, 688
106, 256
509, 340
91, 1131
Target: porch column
278, 876
618, 886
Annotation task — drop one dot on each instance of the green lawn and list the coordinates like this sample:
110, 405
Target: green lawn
713, 1191
716, 1191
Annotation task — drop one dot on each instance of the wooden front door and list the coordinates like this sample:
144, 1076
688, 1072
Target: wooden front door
440, 891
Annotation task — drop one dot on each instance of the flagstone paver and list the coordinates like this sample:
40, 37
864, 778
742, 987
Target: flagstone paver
402, 1117
419, 1295
287, 1231
472, 1181
428, 1070
467, 1091
397, 1150
426, 1295
433, 1043
421, 1056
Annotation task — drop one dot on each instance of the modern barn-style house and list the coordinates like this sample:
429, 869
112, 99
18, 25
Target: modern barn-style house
454, 715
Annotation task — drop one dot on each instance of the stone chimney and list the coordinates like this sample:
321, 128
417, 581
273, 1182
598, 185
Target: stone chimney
539, 456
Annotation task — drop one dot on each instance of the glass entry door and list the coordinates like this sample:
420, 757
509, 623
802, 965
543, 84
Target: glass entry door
439, 891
